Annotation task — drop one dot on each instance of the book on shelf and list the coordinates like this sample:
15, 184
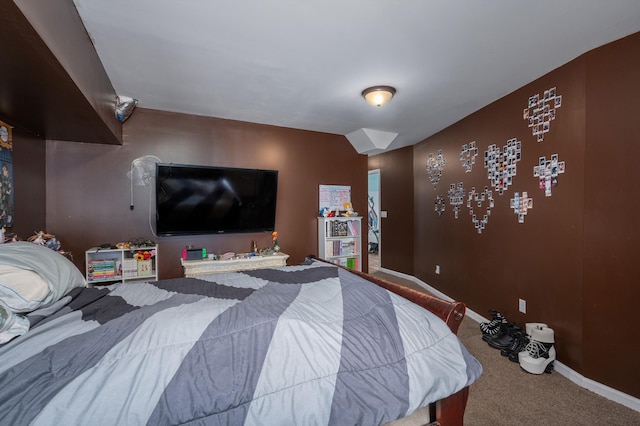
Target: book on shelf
129, 268
348, 247
353, 263
353, 228
349, 262
341, 248
342, 228
102, 268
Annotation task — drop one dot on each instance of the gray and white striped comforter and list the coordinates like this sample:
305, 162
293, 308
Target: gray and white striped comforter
300, 345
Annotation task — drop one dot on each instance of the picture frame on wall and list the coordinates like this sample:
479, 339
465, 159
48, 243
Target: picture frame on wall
6, 176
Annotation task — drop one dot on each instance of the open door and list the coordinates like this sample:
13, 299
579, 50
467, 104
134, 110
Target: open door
373, 214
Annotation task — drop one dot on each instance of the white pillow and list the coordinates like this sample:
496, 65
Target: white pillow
59, 273
21, 290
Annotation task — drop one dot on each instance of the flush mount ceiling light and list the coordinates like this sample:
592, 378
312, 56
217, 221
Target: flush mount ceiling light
378, 95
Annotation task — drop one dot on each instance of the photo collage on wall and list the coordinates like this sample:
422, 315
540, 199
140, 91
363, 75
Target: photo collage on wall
541, 111
501, 165
468, 155
456, 197
547, 172
440, 205
479, 199
521, 205
435, 165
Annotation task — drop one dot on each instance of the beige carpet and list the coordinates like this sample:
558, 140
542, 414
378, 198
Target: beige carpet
507, 395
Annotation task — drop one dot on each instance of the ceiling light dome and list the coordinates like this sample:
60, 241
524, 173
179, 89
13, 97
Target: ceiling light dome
378, 95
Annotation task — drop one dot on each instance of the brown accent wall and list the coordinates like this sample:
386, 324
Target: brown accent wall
88, 191
611, 215
540, 260
572, 259
396, 198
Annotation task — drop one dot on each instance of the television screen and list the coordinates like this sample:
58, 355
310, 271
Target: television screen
213, 200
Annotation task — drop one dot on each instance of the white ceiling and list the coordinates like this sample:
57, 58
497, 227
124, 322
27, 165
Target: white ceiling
303, 63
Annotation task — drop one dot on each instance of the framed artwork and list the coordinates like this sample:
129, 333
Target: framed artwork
333, 197
6, 176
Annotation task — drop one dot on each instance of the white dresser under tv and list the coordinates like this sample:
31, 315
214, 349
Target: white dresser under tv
240, 262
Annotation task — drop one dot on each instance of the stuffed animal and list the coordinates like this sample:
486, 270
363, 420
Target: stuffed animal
40, 238
349, 208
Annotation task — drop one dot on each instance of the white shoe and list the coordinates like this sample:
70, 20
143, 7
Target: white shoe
530, 326
540, 353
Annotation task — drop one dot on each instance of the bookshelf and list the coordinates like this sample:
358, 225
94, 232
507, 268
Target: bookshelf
340, 241
110, 265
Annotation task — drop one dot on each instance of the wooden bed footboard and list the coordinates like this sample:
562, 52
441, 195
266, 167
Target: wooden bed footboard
450, 410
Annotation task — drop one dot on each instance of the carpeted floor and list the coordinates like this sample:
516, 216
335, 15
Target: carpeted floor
507, 395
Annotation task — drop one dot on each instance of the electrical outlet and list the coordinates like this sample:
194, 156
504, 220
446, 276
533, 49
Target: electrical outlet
437, 269
522, 306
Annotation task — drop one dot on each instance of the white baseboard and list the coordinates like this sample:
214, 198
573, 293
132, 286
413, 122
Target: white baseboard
577, 378
598, 388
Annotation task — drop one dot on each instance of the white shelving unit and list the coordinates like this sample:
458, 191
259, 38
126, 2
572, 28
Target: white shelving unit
340, 241
107, 265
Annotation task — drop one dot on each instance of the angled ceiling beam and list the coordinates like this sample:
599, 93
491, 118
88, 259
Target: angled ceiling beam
368, 140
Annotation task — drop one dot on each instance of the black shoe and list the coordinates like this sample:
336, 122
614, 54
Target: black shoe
506, 337
492, 333
501, 342
492, 327
519, 343
500, 330
521, 346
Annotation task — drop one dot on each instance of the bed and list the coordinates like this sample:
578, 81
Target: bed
298, 345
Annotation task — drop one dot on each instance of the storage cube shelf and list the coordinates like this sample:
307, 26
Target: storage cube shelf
107, 266
339, 241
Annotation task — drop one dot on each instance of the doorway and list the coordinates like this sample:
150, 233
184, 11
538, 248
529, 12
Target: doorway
373, 215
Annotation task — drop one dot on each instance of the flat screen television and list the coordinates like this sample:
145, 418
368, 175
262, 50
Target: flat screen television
194, 200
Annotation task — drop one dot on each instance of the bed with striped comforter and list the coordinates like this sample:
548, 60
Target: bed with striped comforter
299, 345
